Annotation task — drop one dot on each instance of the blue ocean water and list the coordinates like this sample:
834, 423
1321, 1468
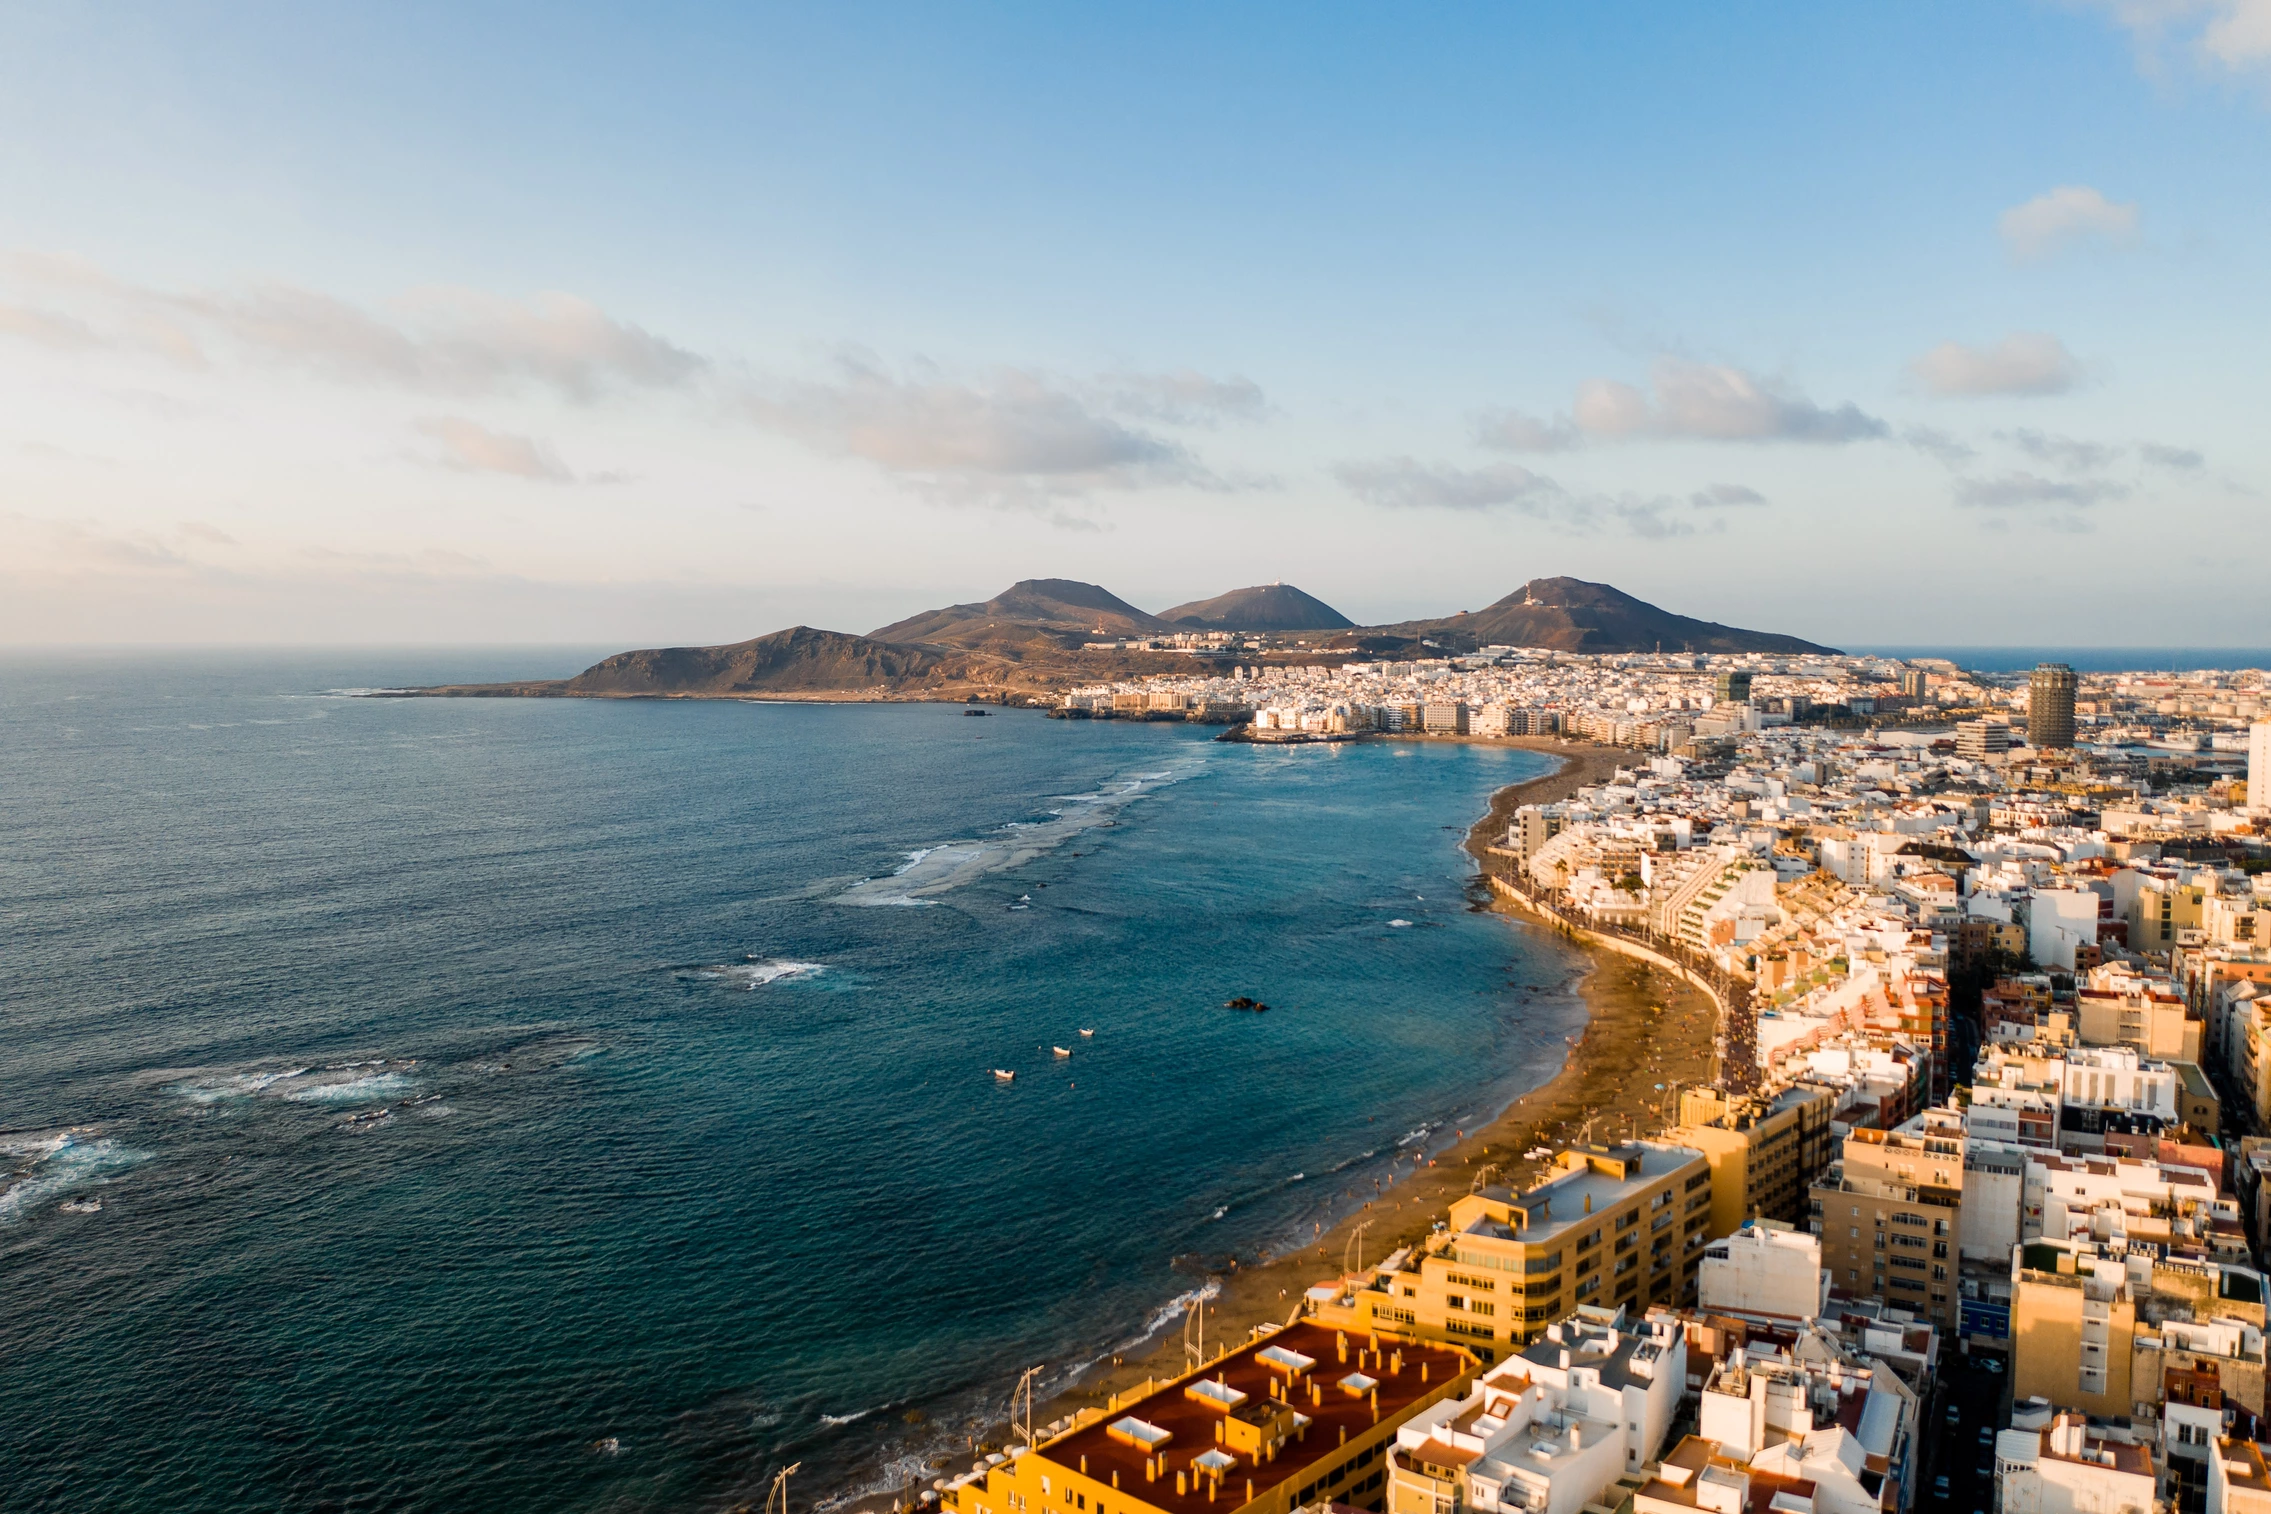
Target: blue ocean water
563, 1105
2089, 659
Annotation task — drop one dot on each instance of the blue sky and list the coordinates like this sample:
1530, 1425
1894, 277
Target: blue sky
1914, 324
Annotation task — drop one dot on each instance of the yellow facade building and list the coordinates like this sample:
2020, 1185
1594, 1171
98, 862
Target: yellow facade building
1607, 1225
1764, 1153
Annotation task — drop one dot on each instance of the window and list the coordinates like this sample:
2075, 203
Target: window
1627, 1220
1590, 1240
1461, 1280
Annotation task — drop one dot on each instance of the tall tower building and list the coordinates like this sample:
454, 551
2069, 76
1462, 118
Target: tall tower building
2259, 767
1733, 687
2050, 705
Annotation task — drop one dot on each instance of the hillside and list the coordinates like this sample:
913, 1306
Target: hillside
1264, 607
1031, 617
1571, 615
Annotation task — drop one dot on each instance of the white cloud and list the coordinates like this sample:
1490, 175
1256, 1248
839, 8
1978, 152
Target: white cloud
2070, 453
2025, 362
472, 448
2050, 223
1181, 398
1014, 431
2233, 35
1513, 431
1405, 483
2019, 490
440, 339
1691, 401
1950, 451
2184, 459
1716, 496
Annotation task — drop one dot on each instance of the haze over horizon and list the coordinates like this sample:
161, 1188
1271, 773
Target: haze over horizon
1917, 327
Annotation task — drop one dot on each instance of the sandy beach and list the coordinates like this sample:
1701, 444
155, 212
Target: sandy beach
1645, 1029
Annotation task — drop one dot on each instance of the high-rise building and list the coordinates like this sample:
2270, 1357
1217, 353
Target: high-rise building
2050, 705
1734, 687
2259, 767
1914, 682
1977, 740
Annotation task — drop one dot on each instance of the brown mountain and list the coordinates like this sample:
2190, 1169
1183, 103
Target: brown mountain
799, 660
1265, 607
1035, 615
1571, 615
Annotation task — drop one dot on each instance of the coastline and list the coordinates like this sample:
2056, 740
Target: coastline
1631, 1008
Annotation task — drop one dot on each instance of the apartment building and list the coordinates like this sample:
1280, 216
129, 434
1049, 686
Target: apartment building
2095, 1327
1608, 1226
1764, 1270
1889, 1214
1291, 1417
1550, 1430
1764, 1152
2066, 1467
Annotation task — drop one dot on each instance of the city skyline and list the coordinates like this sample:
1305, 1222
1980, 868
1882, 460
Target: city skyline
1878, 330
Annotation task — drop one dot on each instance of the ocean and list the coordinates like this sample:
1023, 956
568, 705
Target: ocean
591, 1105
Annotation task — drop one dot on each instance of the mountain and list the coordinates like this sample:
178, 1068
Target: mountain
1264, 607
799, 660
1031, 616
1571, 615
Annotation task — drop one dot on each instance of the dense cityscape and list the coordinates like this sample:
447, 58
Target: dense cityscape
1972, 1217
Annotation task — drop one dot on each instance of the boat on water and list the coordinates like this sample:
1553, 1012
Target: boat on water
1086, 1034
1061, 1052
1002, 1075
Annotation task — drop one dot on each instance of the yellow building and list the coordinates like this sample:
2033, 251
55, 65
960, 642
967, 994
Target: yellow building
1764, 1153
1607, 1225
1888, 1213
1303, 1414
2090, 1333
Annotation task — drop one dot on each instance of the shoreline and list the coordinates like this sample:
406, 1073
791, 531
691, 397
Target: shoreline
1629, 1005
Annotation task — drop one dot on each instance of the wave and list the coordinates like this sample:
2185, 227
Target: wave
1171, 1311
752, 973
853, 1418
365, 1082
53, 1164
948, 865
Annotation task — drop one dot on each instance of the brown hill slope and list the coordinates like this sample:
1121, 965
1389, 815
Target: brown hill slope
1264, 607
1034, 615
1571, 615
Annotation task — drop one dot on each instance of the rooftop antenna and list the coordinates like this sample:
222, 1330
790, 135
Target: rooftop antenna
779, 1496
1354, 1247
1024, 1386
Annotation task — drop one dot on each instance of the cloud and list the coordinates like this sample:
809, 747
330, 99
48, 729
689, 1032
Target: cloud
2050, 223
1950, 451
1716, 496
2020, 490
1691, 401
471, 448
2025, 362
1405, 483
46, 328
1512, 431
2234, 35
440, 339
1015, 435
197, 530
2184, 459
1182, 398
2066, 452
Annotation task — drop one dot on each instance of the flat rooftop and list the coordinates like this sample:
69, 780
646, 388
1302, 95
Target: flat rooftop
1190, 1425
1572, 1197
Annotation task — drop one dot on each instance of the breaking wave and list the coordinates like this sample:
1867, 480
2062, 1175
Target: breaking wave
47, 1166
948, 865
753, 972
335, 1083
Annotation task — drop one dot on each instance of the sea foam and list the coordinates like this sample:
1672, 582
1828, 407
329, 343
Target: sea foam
948, 865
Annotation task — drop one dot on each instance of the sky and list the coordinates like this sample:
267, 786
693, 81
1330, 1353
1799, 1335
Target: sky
1905, 324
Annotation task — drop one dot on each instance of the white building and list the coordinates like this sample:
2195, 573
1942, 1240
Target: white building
1548, 1431
1766, 1268
2061, 919
2064, 1468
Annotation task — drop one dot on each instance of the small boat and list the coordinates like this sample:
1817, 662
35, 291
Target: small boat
1001, 1075
1061, 1052
1086, 1034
